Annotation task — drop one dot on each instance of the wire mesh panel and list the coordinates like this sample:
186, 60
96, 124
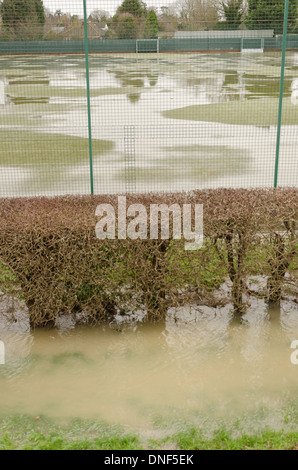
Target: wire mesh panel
44, 130
174, 104
130, 158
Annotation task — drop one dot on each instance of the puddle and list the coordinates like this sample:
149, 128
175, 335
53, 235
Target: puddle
197, 367
214, 101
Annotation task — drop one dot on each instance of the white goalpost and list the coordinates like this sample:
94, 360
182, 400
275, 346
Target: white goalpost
147, 45
252, 45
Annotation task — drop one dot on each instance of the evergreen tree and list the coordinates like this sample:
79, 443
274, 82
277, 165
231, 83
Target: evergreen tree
40, 13
134, 7
151, 26
233, 13
126, 27
263, 14
23, 19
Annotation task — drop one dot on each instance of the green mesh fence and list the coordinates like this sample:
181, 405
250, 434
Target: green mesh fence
131, 45
182, 96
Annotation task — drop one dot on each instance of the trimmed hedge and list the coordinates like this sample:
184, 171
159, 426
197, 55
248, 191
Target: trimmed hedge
50, 246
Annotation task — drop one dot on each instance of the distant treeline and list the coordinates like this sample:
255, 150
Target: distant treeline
30, 20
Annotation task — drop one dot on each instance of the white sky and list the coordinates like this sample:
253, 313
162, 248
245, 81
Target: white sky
76, 6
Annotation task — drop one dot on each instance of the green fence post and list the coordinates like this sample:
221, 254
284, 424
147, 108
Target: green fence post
282, 73
88, 96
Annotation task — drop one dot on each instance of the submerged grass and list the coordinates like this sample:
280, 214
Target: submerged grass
223, 440
43, 91
33, 114
200, 162
40, 433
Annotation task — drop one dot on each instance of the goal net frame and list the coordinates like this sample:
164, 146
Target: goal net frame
245, 41
148, 41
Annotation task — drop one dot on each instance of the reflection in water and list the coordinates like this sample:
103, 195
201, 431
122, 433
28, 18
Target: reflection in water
197, 365
294, 89
129, 78
2, 91
265, 86
23, 100
134, 97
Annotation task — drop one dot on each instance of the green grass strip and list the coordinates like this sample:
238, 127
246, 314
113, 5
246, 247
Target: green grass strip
257, 112
33, 149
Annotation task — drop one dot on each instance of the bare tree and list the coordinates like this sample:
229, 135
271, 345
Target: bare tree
197, 14
99, 16
168, 19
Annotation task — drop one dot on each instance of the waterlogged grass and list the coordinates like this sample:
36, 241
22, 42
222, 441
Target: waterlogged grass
33, 149
40, 433
21, 120
256, 112
38, 114
223, 440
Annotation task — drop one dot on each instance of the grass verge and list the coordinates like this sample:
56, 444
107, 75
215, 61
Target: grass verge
39, 433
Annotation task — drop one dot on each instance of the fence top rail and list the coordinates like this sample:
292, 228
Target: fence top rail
268, 33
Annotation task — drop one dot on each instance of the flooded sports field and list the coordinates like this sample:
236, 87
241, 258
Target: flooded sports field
159, 122
198, 368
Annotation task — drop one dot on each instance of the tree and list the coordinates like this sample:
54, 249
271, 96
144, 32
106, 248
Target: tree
99, 16
134, 7
270, 15
128, 22
168, 20
233, 11
126, 27
40, 11
151, 26
23, 19
197, 14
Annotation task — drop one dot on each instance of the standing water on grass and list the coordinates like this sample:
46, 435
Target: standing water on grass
167, 122
198, 368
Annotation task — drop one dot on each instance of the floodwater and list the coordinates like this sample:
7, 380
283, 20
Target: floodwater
198, 368
132, 97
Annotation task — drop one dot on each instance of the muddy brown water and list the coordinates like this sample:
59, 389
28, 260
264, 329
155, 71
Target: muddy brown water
198, 367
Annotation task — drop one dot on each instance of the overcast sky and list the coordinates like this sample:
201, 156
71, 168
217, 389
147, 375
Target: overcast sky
76, 6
